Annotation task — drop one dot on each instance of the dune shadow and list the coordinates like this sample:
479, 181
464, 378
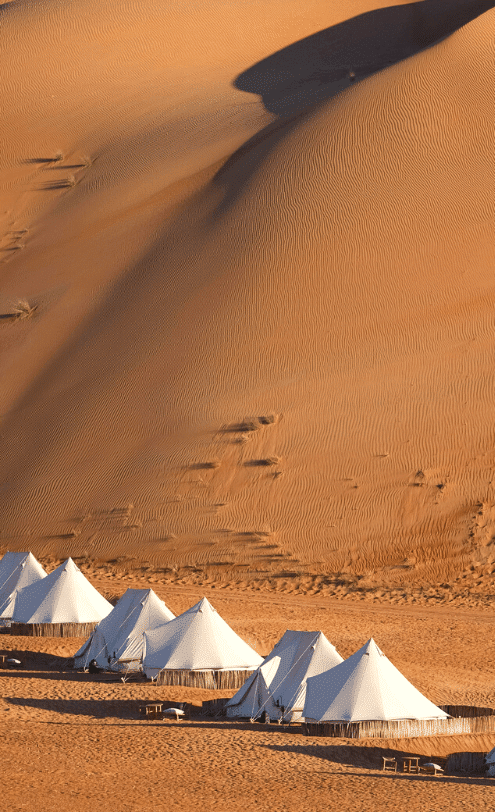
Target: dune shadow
232, 724
480, 781
370, 758
99, 708
319, 66
41, 161
115, 708
37, 660
56, 184
295, 80
41, 675
66, 166
265, 462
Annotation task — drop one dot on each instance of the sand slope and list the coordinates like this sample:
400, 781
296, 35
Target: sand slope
333, 277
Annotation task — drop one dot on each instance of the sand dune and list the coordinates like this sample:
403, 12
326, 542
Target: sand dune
246, 350
262, 339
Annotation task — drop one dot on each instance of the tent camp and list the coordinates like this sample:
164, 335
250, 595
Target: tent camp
366, 686
117, 642
278, 687
63, 604
17, 570
199, 649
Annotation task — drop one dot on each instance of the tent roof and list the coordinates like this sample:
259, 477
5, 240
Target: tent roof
120, 634
296, 656
63, 596
9, 562
366, 686
198, 639
17, 570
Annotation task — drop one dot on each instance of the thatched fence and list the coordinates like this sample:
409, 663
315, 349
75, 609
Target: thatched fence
467, 763
475, 720
466, 711
215, 707
52, 629
215, 680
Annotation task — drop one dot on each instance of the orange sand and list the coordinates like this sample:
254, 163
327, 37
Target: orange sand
246, 349
69, 738
202, 248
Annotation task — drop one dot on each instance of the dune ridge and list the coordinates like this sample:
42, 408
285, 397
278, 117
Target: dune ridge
260, 344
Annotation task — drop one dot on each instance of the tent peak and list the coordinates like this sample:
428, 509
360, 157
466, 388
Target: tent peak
204, 605
371, 648
68, 564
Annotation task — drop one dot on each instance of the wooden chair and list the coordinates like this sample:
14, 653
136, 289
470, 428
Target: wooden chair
389, 764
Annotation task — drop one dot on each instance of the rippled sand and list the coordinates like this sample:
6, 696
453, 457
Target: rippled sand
72, 739
256, 246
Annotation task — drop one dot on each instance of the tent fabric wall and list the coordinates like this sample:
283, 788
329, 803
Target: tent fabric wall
197, 640
63, 596
119, 636
17, 571
364, 687
279, 684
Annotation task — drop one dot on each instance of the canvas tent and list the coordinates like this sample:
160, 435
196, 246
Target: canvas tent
17, 570
117, 642
366, 686
63, 604
278, 687
198, 642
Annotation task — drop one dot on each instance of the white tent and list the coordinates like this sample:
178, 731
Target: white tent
366, 686
63, 596
17, 570
119, 636
279, 685
197, 640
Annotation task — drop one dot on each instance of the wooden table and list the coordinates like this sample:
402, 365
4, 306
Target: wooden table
410, 765
154, 710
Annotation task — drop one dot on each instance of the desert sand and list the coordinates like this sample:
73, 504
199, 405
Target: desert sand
224, 212
246, 350
69, 738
